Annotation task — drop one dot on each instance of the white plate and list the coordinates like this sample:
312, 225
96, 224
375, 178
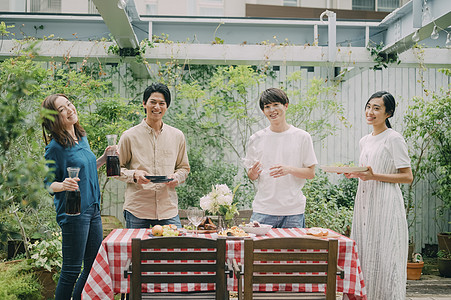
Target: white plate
333, 169
262, 230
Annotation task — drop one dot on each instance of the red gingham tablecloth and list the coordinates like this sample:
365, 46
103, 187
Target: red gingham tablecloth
107, 274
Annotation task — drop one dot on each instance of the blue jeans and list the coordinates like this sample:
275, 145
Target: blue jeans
133, 222
82, 236
280, 221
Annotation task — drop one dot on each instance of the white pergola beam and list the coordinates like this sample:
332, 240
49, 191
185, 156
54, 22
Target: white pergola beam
346, 57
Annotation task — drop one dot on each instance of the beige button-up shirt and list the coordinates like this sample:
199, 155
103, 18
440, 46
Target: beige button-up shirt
162, 154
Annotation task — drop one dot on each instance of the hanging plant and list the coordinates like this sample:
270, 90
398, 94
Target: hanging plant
382, 59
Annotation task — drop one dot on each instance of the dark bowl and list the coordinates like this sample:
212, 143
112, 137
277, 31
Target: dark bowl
152, 177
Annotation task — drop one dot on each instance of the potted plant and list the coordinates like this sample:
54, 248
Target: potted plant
444, 241
444, 263
415, 267
46, 259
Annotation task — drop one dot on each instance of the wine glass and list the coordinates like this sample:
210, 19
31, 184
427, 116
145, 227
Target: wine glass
195, 216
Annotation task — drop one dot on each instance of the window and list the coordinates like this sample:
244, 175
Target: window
377, 5
45, 6
387, 5
363, 5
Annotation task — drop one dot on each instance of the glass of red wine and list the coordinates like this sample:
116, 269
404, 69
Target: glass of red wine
112, 161
73, 199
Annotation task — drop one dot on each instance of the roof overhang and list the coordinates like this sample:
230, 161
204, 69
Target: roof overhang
346, 57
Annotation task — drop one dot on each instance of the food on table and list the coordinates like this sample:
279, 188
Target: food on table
256, 228
157, 230
207, 224
317, 231
234, 231
189, 227
338, 164
165, 230
252, 224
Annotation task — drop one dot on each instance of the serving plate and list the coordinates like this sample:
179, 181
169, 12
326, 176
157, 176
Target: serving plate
232, 237
201, 231
158, 179
334, 169
261, 230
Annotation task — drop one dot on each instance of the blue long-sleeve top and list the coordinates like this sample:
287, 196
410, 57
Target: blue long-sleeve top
80, 155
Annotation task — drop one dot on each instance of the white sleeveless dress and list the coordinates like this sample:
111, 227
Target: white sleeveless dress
379, 225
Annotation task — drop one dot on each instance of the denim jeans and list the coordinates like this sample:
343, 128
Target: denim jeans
82, 236
280, 221
133, 222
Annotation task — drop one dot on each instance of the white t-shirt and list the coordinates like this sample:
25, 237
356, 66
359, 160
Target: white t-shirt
294, 147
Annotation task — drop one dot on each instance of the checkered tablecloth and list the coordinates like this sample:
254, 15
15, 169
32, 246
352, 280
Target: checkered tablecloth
107, 274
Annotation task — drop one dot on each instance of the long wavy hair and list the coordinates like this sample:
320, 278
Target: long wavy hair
53, 129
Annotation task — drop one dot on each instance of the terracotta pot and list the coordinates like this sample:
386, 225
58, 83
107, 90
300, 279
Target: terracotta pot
444, 267
48, 284
414, 270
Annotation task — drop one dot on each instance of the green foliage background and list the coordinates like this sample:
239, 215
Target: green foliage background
207, 102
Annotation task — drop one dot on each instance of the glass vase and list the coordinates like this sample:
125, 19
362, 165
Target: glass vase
223, 224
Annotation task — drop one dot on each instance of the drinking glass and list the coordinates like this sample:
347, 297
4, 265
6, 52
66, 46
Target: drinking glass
73, 199
195, 216
112, 161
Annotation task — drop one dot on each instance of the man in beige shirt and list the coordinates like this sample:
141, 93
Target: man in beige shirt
152, 148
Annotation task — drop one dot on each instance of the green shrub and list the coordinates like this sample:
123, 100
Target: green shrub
18, 282
329, 205
47, 254
202, 177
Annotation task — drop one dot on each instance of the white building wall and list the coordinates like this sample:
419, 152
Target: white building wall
234, 8
77, 7
231, 8
171, 7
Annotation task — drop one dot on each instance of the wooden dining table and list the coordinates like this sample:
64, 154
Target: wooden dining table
107, 274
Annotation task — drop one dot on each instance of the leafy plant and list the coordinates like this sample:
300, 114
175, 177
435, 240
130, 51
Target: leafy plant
382, 59
47, 254
312, 109
427, 130
18, 281
203, 176
322, 208
444, 254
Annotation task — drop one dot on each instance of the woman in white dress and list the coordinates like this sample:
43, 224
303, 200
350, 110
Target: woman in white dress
379, 225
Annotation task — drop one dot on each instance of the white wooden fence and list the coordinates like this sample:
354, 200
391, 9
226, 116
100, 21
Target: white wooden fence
403, 83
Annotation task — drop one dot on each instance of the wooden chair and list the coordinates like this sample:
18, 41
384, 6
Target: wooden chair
258, 262
243, 216
183, 215
149, 266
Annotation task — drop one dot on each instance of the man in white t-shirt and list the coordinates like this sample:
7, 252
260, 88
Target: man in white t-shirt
282, 159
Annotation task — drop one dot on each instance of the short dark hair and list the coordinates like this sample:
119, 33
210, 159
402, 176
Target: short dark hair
158, 88
273, 95
389, 102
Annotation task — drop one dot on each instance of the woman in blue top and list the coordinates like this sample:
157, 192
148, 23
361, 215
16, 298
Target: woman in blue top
82, 234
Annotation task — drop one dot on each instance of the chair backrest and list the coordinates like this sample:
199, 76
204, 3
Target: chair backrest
183, 215
311, 260
243, 216
155, 260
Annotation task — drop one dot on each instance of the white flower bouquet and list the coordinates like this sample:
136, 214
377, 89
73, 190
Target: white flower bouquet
219, 201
